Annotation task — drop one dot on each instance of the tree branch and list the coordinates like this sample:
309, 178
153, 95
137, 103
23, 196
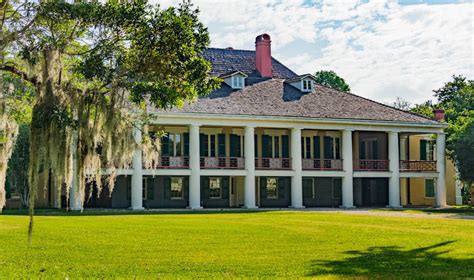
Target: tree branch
12, 69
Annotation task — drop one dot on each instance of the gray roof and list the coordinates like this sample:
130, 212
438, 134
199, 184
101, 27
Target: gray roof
275, 97
225, 61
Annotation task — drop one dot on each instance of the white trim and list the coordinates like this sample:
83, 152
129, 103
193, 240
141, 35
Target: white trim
289, 122
374, 174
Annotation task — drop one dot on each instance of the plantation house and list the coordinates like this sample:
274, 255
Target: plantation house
269, 137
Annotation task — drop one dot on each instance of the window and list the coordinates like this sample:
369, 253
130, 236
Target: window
237, 81
369, 149
177, 188
212, 145
215, 190
272, 188
172, 144
427, 149
307, 85
332, 147
430, 188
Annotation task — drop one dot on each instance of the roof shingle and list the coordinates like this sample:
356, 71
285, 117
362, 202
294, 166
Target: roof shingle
229, 60
274, 97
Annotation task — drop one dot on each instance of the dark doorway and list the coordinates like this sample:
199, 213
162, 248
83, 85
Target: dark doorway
371, 192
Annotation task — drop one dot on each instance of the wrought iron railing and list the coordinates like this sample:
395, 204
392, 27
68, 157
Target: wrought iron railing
322, 164
417, 165
222, 162
371, 164
272, 163
173, 162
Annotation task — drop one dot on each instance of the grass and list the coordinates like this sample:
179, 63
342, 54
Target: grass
452, 210
276, 244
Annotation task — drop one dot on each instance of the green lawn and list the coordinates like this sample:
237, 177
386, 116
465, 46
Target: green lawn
276, 244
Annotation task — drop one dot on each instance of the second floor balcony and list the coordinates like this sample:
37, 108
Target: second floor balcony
222, 162
273, 163
371, 165
418, 165
322, 164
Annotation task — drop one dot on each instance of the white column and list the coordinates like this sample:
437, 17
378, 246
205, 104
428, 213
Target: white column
394, 164
347, 180
194, 165
249, 153
296, 161
441, 168
137, 175
74, 194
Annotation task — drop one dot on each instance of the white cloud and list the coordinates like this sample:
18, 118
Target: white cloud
381, 48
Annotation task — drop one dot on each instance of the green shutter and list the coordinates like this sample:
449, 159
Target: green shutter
165, 151
337, 188
235, 145
128, 188
282, 183
221, 145
302, 147
361, 150
204, 188
317, 147
225, 187
307, 188
328, 150
167, 187
423, 144
266, 146
186, 144
150, 183
263, 187
429, 188
338, 148
255, 139
285, 147
203, 145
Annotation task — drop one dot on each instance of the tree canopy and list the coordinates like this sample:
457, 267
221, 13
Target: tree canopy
332, 80
95, 67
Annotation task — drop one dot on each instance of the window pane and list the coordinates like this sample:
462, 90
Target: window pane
171, 144
176, 188
277, 147
215, 190
272, 188
338, 148
213, 145
178, 143
308, 147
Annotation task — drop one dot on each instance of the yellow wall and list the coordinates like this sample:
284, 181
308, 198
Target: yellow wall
417, 185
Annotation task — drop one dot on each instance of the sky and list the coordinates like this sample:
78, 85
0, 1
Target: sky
383, 49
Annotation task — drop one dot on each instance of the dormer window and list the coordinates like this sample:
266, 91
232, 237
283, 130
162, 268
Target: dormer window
237, 81
307, 85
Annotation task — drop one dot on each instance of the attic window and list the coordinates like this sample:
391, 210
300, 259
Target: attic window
237, 81
307, 85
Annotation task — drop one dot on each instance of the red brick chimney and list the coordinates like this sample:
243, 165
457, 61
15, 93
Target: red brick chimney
438, 115
263, 55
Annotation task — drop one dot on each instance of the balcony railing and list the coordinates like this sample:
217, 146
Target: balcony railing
222, 162
272, 163
173, 162
418, 165
322, 164
371, 165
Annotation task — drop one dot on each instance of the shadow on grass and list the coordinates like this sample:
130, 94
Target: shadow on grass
126, 212
393, 262
461, 211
